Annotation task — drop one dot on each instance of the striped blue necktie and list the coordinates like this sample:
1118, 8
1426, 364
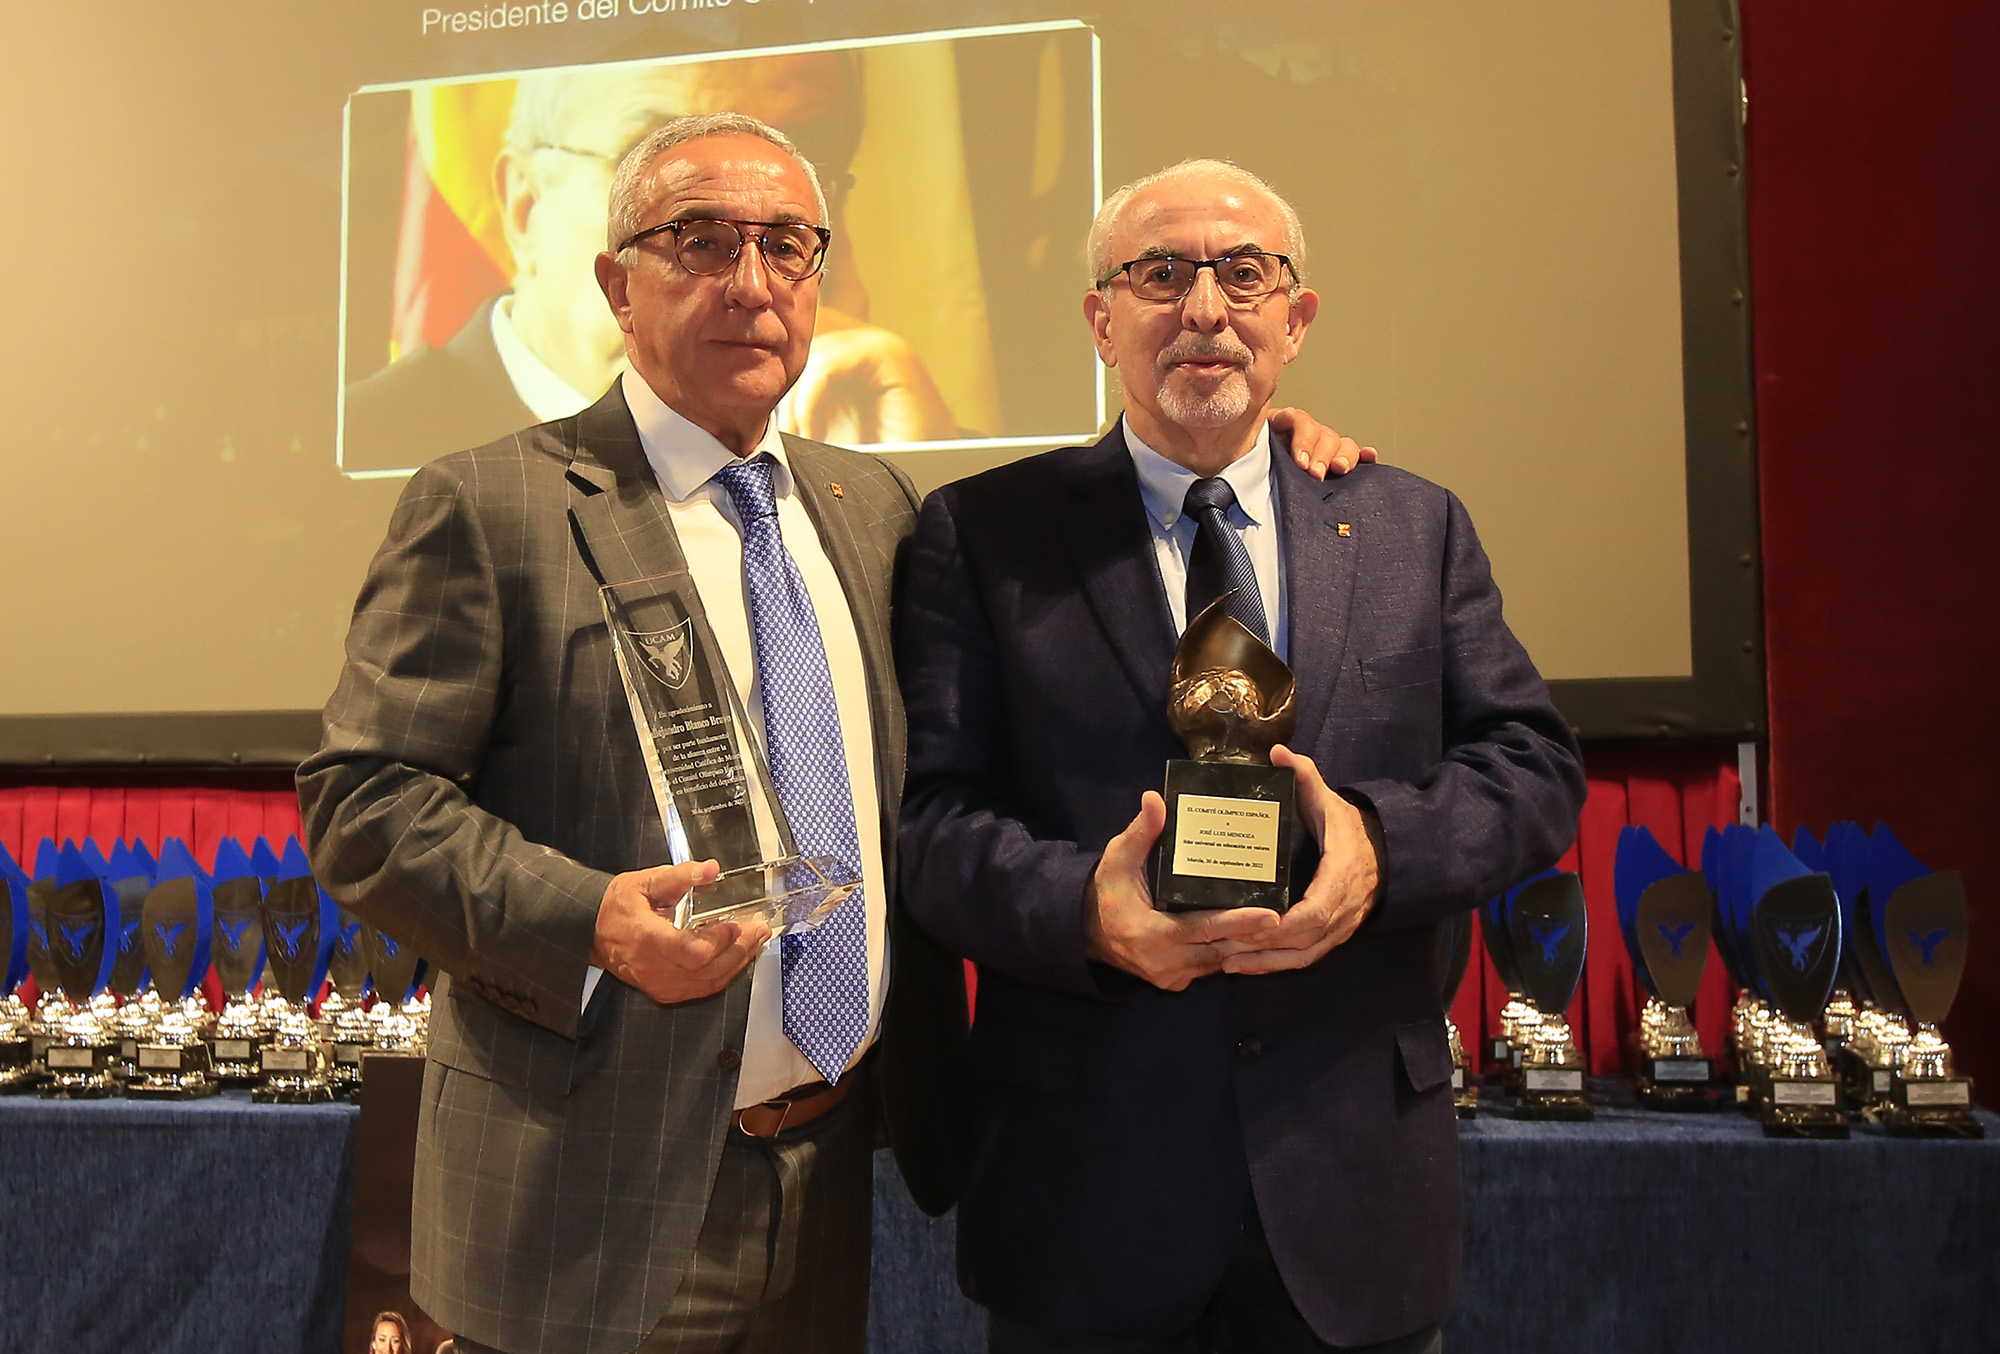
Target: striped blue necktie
825, 969
1218, 563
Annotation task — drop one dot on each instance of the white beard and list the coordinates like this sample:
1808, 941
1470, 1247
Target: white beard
1224, 404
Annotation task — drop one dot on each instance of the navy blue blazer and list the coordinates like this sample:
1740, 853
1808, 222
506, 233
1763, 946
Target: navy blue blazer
1117, 1132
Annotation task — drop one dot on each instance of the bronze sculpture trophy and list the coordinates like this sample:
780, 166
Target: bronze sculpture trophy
1232, 817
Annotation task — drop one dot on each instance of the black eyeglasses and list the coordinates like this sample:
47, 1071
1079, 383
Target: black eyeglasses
1247, 276
792, 250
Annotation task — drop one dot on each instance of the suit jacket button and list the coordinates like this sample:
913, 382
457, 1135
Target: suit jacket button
729, 1060
1249, 1048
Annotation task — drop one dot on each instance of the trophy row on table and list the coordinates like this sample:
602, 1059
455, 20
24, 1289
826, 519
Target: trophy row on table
119, 946
1846, 954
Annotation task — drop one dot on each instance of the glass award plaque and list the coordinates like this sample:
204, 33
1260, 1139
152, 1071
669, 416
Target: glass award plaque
1232, 817
707, 768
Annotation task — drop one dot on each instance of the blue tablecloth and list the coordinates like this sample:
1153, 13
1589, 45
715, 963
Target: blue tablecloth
208, 1225
1642, 1233
220, 1226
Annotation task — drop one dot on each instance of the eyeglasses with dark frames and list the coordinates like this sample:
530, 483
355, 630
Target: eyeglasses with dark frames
1246, 276
791, 249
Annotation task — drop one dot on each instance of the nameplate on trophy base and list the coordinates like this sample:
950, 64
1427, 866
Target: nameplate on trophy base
152, 1059
1227, 838
1804, 1093
1553, 1079
1680, 1069
1933, 1094
287, 1060
348, 1053
232, 1050
72, 1059
1458, 1078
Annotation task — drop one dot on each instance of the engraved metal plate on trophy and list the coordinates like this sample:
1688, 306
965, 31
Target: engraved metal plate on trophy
1232, 817
710, 781
1795, 936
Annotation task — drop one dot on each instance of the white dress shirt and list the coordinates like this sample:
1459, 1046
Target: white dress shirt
1163, 486
685, 459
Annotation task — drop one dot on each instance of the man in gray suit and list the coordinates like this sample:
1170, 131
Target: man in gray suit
620, 1143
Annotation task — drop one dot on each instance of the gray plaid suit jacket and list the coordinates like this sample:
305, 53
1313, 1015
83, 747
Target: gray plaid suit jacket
477, 784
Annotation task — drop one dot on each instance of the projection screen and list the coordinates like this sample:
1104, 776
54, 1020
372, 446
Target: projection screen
265, 261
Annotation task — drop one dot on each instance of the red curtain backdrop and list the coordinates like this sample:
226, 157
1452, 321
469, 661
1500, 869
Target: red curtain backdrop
1874, 188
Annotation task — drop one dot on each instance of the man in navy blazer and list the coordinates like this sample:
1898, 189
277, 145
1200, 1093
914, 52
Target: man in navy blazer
1225, 1130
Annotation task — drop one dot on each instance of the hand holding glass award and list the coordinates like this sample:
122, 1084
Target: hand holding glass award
1231, 815
707, 770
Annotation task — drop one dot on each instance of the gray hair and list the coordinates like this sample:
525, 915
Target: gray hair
1097, 246
629, 178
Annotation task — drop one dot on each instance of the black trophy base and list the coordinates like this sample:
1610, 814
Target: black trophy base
1802, 1109
1231, 845
1678, 1085
1930, 1107
79, 1088
1554, 1093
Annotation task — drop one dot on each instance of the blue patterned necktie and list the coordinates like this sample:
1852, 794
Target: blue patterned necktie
825, 969
1219, 562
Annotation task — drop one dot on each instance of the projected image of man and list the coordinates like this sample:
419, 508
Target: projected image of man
546, 347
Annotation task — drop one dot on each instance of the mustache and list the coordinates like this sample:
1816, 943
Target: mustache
1205, 348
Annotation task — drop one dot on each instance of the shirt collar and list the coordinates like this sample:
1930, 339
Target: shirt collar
546, 394
684, 457
1163, 484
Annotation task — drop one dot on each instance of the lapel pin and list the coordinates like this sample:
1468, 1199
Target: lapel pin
1344, 529
838, 492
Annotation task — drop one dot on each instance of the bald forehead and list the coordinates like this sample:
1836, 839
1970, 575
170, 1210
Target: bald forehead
1231, 211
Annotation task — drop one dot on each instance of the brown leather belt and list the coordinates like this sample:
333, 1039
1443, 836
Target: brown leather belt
801, 1106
